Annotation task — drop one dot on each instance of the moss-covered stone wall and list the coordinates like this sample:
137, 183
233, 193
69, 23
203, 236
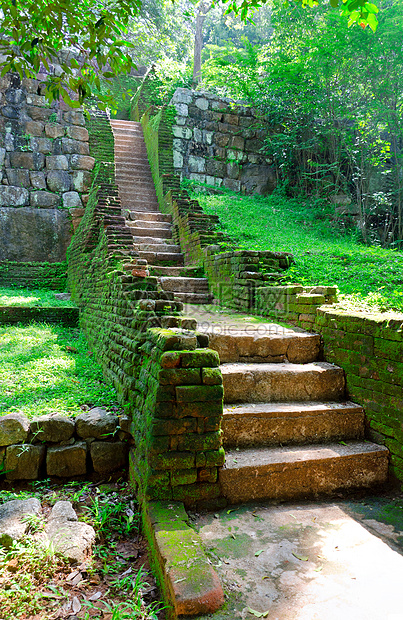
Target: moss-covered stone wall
51, 276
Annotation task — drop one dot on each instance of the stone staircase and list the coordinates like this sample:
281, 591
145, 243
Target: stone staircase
289, 431
152, 230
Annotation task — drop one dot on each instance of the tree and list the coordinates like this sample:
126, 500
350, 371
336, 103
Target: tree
88, 40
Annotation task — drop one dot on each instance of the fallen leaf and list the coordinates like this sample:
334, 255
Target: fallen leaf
127, 572
179, 580
216, 516
258, 614
293, 516
72, 575
266, 577
71, 350
95, 597
76, 605
317, 570
343, 443
258, 553
231, 510
303, 558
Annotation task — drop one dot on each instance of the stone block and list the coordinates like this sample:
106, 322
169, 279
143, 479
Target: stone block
23, 461
237, 142
192, 394
29, 161
41, 145
211, 376
17, 177
96, 422
44, 200
182, 95
54, 130
14, 428
38, 180
11, 196
40, 114
68, 536
200, 358
232, 184
181, 109
233, 170
182, 132
107, 457
71, 200
70, 146
177, 159
15, 96
34, 128
81, 180
231, 119
37, 100
74, 117
67, 461
58, 181
10, 111
77, 133
2, 156
202, 103
53, 428
82, 162
57, 162
172, 461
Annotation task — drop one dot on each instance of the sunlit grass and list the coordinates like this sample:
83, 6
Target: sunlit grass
368, 276
28, 297
39, 375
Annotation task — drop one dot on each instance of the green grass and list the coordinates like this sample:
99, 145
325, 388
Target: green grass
39, 374
31, 298
369, 277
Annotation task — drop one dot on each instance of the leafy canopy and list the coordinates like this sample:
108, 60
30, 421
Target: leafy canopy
88, 40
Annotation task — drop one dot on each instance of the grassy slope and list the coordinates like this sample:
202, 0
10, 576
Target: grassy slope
39, 374
30, 297
371, 277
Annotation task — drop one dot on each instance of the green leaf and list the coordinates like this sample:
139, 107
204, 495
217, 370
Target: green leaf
259, 552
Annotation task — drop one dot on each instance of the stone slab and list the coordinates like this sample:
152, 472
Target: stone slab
69, 537
318, 381
13, 523
14, 428
302, 472
66, 461
24, 461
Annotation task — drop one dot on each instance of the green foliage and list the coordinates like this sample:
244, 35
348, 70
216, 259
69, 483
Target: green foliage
39, 374
369, 277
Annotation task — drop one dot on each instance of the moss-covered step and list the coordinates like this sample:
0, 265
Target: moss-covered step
189, 584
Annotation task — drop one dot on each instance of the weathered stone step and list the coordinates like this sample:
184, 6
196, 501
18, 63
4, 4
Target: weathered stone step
150, 218
184, 284
151, 224
301, 472
161, 257
153, 241
177, 272
260, 344
249, 383
159, 247
267, 424
140, 231
194, 298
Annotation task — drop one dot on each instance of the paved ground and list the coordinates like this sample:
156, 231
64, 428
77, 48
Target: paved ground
331, 560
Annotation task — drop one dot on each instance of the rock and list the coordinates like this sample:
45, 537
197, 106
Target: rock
15, 96
19, 178
69, 537
44, 200
38, 181
82, 180
53, 130
96, 423
29, 161
77, 133
66, 461
23, 461
40, 114
34, 128
71, 200
12, 196
82, 162
182, 95
107, 457
12, 519
42, 145
75, 146
76, 118
58, 181
14, 428
57, 162
53, 427
63, 296
202, 103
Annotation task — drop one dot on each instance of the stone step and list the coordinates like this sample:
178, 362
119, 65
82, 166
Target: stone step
150, 218
177, 272
184, 284
295, 472
138, 207
266, 424
158, 247
139, 231
153, 241
277, 382
162, 257
262, 344
151, 224
194, 298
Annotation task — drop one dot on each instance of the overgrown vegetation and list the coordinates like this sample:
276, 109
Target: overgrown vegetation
46, 369
113, 584
368, 277
31, 297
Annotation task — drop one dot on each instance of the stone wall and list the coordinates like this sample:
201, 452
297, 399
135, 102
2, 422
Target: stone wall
44, 165
51, 276
369, 348
96, 441
218, 142
20, 314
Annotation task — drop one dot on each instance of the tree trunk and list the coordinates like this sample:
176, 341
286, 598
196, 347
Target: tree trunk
202, 11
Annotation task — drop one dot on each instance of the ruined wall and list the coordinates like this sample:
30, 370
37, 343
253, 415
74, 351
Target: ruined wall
45, 172
219, 142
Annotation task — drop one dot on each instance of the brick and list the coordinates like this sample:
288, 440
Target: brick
192, 394
180, 376
211, 376
200, 358
173, 461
